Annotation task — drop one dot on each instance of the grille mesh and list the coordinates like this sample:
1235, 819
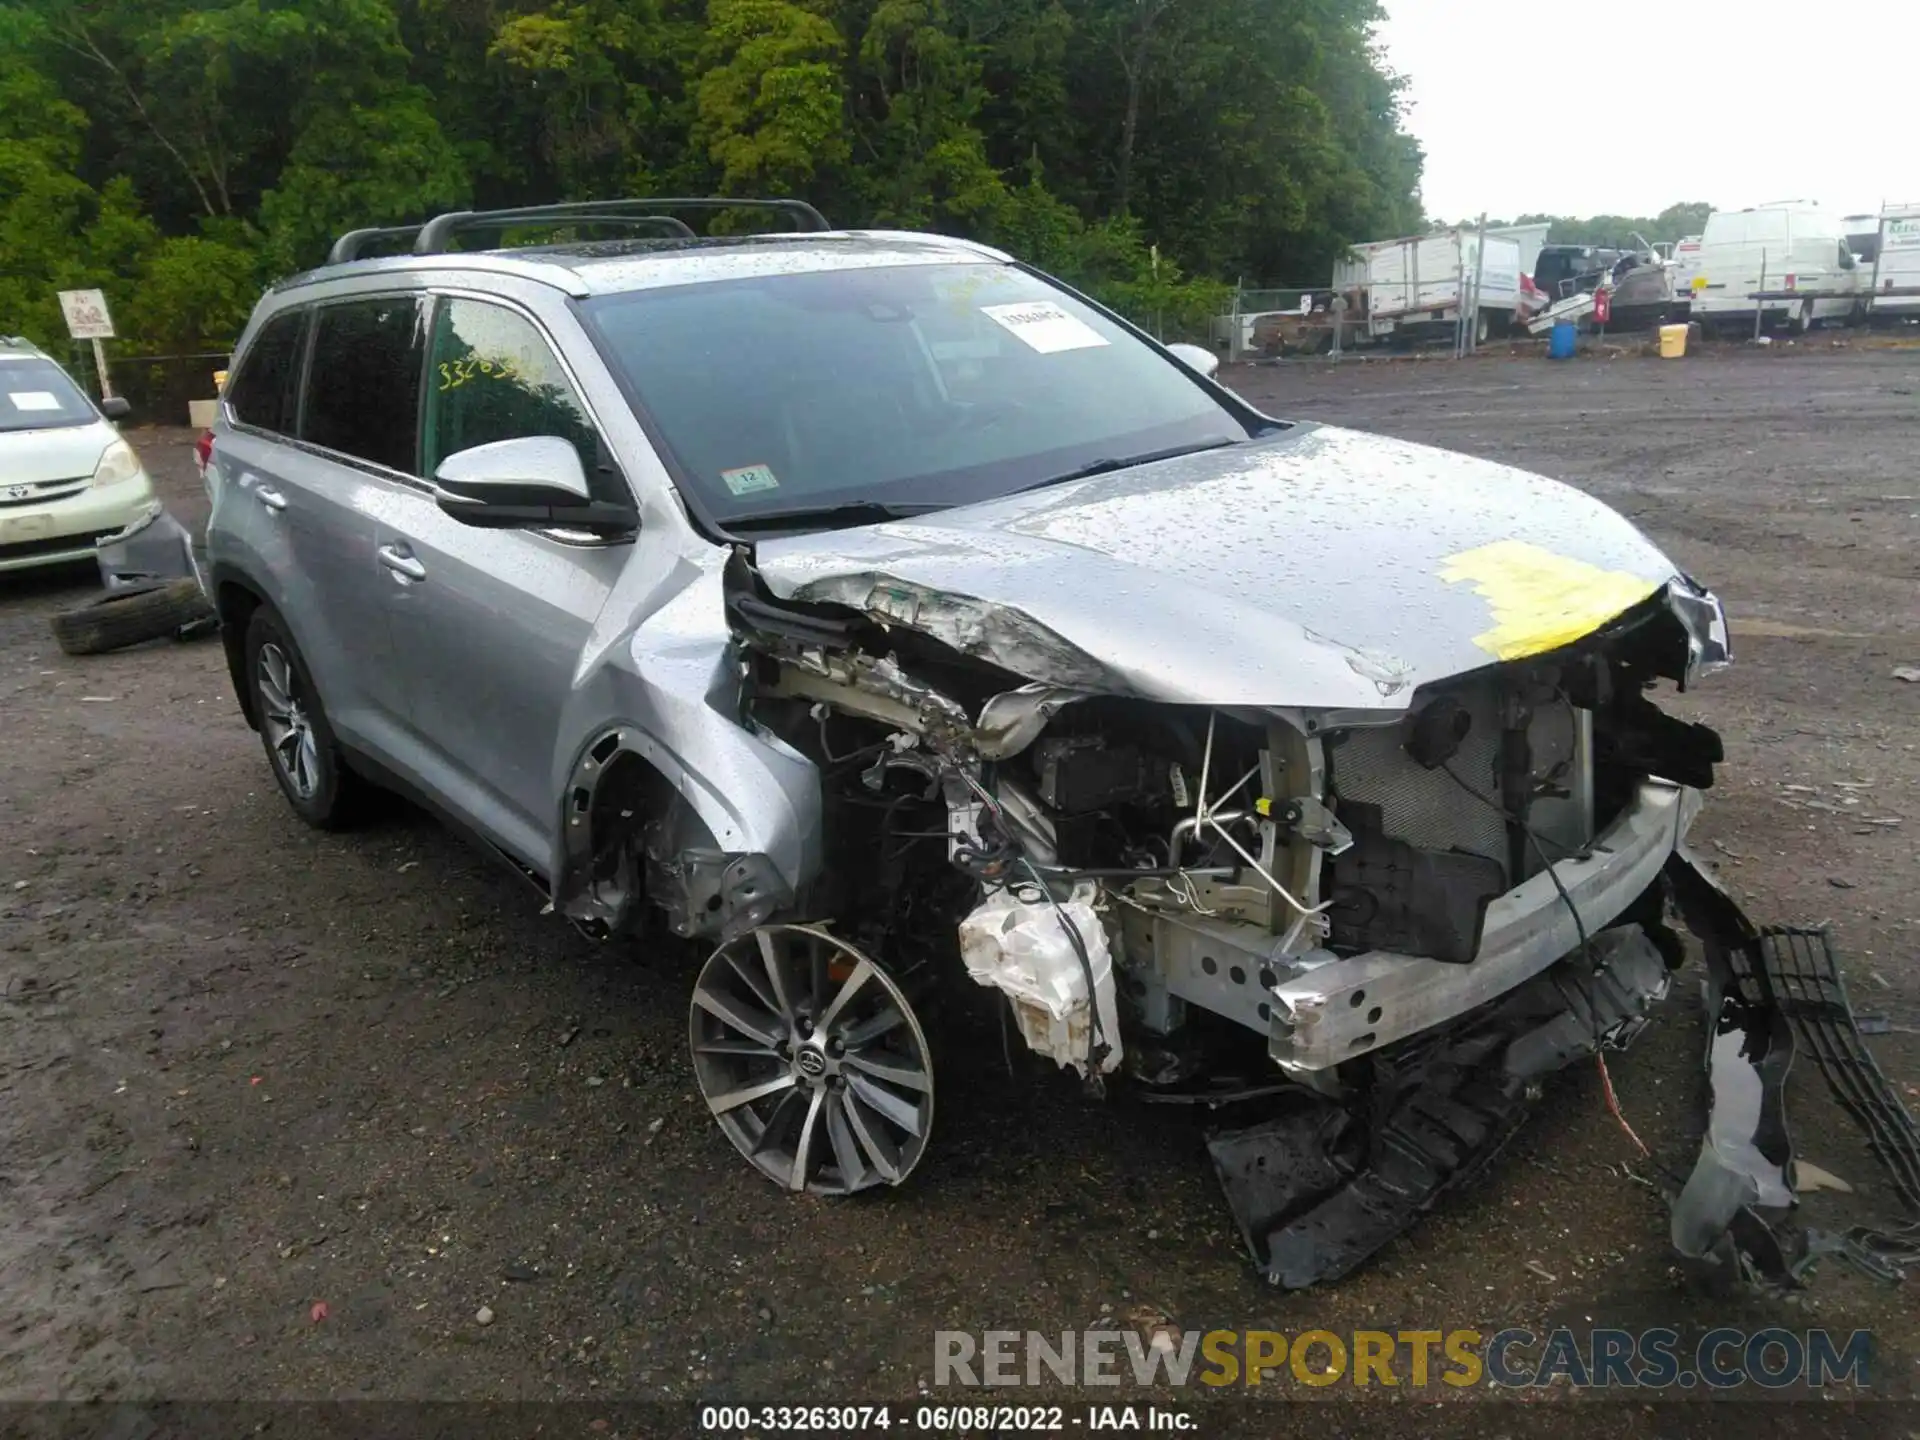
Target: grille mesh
1425, 807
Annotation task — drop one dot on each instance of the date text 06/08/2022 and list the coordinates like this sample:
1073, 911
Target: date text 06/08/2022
944, 1419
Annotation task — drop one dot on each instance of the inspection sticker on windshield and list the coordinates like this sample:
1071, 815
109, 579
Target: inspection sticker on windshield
1044, 326
750, 479
34, 399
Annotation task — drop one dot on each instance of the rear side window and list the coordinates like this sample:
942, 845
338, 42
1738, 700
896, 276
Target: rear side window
492, 376
363, 383
262, 394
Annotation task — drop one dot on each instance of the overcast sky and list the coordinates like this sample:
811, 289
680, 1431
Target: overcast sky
1570, 109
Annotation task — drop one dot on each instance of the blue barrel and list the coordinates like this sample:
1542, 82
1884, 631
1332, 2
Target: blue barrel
1560, 346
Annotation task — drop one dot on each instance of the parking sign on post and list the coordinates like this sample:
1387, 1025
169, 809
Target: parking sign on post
87, 314
89, 319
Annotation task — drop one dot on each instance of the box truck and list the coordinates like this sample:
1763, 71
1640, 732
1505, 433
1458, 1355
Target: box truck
1415, 288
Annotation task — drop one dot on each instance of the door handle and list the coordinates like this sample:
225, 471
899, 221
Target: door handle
397, 559
272, 499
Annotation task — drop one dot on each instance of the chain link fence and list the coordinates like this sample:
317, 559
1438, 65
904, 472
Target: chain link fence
1269, 322
161, 388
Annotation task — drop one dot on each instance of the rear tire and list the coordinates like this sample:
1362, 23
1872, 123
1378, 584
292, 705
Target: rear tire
301, 749
131, 616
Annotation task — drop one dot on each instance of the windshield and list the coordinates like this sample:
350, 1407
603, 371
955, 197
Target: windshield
908, 387
37, 395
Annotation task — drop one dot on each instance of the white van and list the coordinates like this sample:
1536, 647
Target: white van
1791, 255
1686, 264
1895, 279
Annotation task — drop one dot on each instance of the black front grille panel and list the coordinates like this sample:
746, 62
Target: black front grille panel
51, 545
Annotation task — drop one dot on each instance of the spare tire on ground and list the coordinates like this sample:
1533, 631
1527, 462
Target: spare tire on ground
127, 617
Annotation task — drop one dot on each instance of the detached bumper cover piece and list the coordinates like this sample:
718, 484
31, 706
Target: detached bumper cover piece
1745, 1166
1771, 991
1317, 1189
1346, 1008
154, 547
1803, 974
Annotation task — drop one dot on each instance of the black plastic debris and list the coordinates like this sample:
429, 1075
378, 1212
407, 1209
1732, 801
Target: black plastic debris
154, 547
1725, 1216
1771, 993
1318, 1186
1803, 973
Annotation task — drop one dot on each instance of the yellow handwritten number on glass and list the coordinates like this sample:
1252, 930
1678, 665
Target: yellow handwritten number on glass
455, 373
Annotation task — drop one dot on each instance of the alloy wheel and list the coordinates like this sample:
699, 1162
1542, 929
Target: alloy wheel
288, 725
812, 1060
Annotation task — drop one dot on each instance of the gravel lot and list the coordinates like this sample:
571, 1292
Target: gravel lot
248, 1068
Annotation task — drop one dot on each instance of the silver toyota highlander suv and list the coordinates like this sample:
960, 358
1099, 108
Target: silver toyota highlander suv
888, 616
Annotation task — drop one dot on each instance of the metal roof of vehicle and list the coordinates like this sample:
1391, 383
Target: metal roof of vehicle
611, 267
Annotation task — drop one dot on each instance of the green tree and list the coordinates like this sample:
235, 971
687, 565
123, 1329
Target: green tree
602, 87
360, 165
920, 91
183, 150
770, 107
1676, 222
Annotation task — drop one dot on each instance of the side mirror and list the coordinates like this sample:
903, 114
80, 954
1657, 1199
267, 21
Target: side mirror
115, 407
1203, 363
535, 482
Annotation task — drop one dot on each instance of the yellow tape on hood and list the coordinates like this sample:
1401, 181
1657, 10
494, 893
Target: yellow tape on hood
1540, 600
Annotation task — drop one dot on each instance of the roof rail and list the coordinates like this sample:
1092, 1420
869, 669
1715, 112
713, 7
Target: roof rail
349, 245
434, 236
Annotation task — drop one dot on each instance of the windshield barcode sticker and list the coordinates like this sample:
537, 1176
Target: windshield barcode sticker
1042, 325
750, 479
34, 400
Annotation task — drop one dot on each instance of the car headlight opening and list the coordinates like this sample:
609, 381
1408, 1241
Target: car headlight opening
117, 463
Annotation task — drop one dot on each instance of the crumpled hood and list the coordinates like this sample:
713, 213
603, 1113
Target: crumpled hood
1324, 569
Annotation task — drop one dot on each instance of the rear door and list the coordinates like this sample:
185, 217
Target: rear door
489, 625
247, 535
1727, 265
287, 516
358, 426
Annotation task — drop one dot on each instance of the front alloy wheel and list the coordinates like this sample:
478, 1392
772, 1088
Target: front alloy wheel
812, 1060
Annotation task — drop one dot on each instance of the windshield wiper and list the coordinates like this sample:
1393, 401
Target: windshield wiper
1109, 463
828, 517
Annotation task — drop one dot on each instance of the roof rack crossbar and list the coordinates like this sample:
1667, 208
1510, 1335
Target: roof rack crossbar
677, 228
349, 245
435, 234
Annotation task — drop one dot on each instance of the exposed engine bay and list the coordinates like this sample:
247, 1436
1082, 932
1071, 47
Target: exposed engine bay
1355, 937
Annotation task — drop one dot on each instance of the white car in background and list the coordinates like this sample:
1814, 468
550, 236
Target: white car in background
66, 476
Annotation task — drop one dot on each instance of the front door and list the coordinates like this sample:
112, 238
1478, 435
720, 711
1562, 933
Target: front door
488, 625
